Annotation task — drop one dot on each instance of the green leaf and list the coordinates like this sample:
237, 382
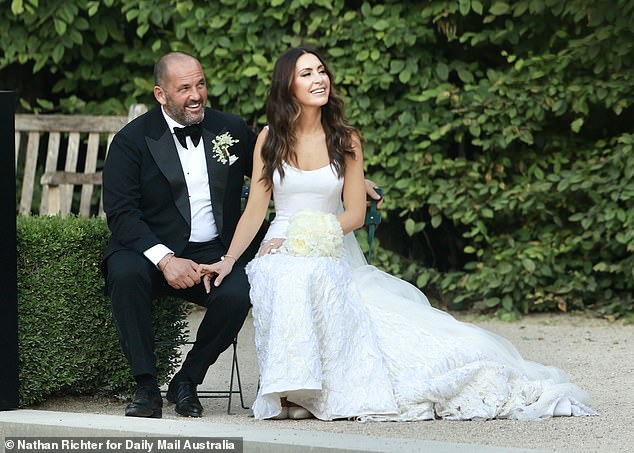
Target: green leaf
396, 66
423, 279
410, 227
505, 268
539, 174
499, 8
45, 104
218, 89
520, 8
474, 130
576, 125
465, 75
381, 25
528, 264
477, 6
600, 267
363, 55
58, 53
442, 71
259, 60
336, 52
142, 30
60, 26
492, 302
465, 6
101, 33
507, 303
17, 7
156, 45
93, 8
405, 75
436, 221
223, 41
250, 71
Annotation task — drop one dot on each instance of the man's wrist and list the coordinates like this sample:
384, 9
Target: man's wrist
162, 265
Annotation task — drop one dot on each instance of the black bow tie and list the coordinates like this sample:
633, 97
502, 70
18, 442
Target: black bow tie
194, 131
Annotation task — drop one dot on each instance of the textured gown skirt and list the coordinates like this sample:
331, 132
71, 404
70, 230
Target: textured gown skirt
346, 340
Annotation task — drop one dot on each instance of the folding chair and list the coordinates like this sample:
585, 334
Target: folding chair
235, 377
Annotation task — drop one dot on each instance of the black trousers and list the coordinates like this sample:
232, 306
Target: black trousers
133, 282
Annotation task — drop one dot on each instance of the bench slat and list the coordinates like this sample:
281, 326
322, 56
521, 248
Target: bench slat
52, 155
29, 173
65, 123
58, 178
89, 167
72, 153
17, 149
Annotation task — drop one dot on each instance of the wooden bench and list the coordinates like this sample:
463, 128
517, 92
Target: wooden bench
70, 141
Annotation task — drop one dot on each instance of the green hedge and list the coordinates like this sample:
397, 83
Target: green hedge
67, 339
500, 130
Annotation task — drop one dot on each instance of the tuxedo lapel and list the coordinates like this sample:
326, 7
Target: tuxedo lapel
165, 155
217, 173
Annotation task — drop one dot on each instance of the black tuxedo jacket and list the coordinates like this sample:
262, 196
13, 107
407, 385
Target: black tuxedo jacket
145, 196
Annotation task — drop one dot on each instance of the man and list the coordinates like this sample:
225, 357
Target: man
172, 184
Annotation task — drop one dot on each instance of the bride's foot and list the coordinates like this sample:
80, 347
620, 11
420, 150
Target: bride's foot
299, 413
283, 415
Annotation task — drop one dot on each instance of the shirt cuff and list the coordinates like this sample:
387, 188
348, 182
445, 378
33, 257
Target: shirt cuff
156, 253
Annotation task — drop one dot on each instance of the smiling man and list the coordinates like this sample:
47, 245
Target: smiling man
172, 203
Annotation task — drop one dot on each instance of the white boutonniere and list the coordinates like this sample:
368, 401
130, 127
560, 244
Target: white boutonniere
221, 145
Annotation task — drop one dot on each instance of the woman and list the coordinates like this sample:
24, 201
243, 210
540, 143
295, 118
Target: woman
334, 335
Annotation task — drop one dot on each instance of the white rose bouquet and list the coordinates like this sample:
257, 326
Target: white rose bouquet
313, 233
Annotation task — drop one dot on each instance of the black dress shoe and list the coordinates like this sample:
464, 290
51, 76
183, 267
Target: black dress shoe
184, 394
147, 402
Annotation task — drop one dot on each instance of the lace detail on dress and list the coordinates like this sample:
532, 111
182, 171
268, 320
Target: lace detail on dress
314, 342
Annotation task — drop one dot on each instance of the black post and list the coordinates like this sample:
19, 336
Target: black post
9, 390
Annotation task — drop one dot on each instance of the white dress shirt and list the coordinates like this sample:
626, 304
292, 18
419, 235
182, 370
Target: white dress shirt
194, 164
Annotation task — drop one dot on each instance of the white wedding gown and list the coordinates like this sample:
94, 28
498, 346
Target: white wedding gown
344, 339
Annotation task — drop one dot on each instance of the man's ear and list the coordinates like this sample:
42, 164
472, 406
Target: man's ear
159, 94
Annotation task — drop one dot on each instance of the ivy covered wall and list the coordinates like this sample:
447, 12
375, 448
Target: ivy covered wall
501, 131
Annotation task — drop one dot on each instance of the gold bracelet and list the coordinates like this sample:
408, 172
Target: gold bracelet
167, 262
222, 258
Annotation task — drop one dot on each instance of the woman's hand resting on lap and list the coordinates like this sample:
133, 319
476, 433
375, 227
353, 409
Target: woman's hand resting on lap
271, 246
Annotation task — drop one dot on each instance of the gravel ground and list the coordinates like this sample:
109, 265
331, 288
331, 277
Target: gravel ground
597, 355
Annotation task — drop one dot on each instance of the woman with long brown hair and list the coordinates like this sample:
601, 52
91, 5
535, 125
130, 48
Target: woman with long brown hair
334, 336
